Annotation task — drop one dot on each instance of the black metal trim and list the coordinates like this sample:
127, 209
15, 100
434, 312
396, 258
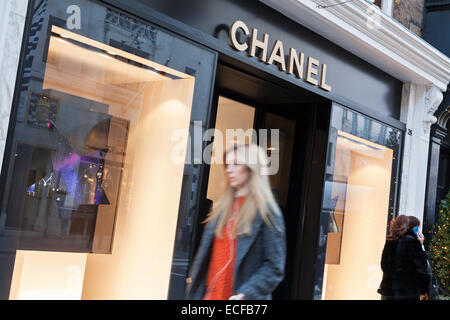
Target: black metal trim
399, 174
204, 169
300, 292
311, 221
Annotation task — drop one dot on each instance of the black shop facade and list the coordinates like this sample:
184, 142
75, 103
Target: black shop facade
89, 184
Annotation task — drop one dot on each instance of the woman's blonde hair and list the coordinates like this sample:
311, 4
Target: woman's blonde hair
259, 198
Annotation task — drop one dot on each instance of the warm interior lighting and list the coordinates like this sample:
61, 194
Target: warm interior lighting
149, 107
230, 115
105, 56
364, 169
40, 275
61, 40
99, 45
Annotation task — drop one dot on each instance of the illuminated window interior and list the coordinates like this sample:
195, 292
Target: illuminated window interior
357, 232
136, 213
230, 115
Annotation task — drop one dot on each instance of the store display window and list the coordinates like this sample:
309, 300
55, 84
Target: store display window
93, 177
359, 200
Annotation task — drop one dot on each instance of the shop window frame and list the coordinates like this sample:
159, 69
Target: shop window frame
394, 195
171, 28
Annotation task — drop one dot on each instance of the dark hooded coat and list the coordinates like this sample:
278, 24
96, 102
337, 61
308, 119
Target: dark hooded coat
406, 273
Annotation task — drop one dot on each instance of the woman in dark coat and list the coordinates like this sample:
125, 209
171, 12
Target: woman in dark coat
242, 252
404, 263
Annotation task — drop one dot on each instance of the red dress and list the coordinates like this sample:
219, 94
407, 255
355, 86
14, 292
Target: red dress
219, 284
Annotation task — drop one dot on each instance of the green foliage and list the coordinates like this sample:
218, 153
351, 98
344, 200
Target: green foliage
439, 246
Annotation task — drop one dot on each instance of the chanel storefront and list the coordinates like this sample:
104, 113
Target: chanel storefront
93, 204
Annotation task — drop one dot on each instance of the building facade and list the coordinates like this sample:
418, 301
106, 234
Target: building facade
115, 112
437, 19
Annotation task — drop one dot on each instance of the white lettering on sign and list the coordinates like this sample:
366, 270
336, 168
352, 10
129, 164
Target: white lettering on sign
295, 64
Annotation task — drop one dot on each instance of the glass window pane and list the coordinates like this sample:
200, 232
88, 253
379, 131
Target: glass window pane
81, 141
238, 119
97, 165
286, 131
358, 203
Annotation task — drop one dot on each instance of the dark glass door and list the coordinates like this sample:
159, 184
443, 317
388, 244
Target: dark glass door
288, 184
253, 101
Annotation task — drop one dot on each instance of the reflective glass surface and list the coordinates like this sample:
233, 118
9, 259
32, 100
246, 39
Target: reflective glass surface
359, 201
93, 176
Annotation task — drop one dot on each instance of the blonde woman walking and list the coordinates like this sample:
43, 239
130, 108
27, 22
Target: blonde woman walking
242, 252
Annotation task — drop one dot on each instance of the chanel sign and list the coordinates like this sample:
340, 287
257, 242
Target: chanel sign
295, 61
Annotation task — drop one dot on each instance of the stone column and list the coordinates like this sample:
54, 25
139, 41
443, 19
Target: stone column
419, 102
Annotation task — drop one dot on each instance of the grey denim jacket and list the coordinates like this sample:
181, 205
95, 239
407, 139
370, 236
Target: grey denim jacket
259, 266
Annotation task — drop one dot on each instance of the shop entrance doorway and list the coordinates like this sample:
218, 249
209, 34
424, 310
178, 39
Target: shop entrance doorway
246, 100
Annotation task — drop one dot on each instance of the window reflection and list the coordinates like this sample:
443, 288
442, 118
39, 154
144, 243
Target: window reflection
96, 112
78, 134
358, 203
